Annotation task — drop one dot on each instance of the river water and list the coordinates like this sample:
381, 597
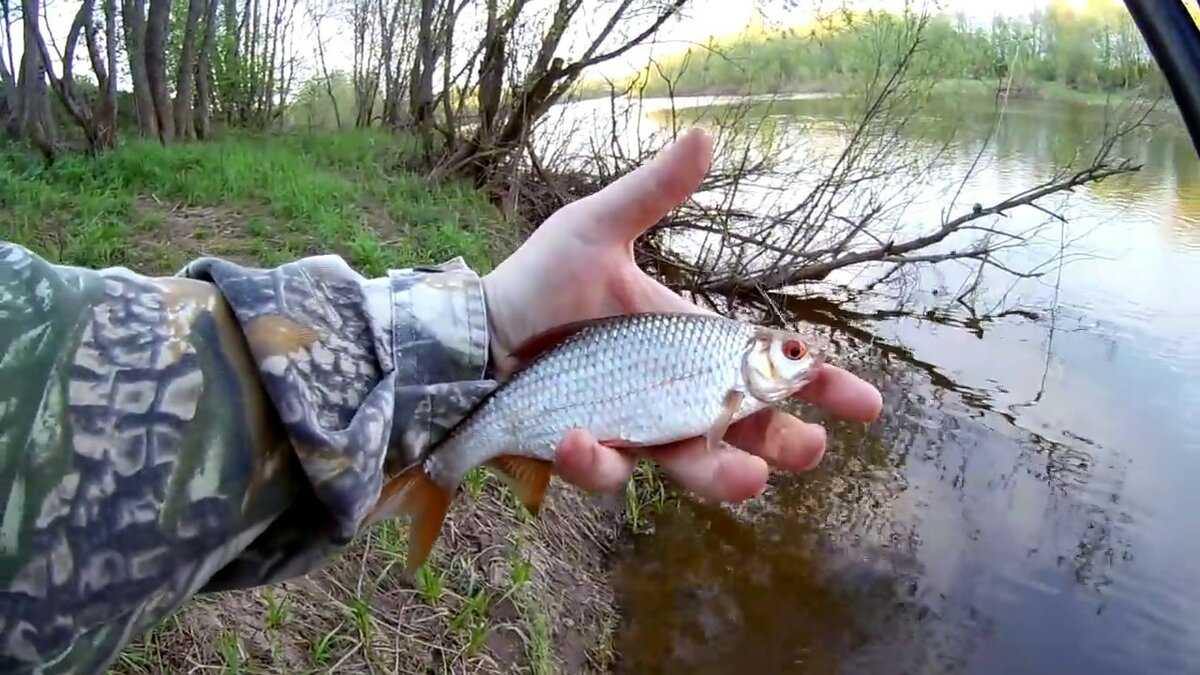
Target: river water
1026, 503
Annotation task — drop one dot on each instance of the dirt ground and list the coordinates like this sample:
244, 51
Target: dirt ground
504, 594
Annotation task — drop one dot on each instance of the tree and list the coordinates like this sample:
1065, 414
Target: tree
134, 16
34, 118
98, 122
395, 47
185, 80
8, 84
364, 19
532, 86
106, 76
204, 67
156, 67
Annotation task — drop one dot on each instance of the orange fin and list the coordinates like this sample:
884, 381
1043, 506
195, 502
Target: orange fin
526, 477
425, 502
550, 338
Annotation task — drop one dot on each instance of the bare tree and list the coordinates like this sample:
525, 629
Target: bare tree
64, 86
531, 91
396, 44
157, 26
420, 100
364, 20
204, 88
134, 17
185, 79
105, 69
8, 83
35, 120
328, 80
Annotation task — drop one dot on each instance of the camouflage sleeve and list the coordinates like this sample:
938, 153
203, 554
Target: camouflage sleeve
223, 428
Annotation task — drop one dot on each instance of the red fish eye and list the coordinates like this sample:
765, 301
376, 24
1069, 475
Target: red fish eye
794, 350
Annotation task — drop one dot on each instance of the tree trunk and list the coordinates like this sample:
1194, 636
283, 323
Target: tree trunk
106, 106
6, 18
337, 113
134, 15
251, 74
230, 51
387, 56
204, 73
8, 81
491, 73
35, 120
8, 99
421, 83
185, 127
65, 86
157, 26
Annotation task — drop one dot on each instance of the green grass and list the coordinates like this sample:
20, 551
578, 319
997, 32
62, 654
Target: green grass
276, 608
431, 584
540, 648
343, 193
473, 621
645, 495
322, 648
230, 650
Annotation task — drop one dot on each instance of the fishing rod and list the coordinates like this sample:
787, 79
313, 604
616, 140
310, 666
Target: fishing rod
1174, 42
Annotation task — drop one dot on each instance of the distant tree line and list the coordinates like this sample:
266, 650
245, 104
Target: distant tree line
1093, 48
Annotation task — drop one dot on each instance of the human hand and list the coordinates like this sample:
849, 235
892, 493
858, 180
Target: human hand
579, 265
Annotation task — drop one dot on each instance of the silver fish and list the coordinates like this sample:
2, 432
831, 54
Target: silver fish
636, 380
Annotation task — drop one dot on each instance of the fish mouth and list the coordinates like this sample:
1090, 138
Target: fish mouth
807, 376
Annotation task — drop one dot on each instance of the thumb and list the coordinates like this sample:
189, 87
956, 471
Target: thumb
639, 199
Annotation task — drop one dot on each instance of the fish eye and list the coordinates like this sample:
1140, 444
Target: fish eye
794, 350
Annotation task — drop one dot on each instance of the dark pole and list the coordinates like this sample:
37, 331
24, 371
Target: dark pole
1174, 42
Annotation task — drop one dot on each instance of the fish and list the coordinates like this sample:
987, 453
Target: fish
633, 380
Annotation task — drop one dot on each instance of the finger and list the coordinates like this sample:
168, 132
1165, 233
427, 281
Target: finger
843, 394
641, 198
579, 459
724, 475
779, 438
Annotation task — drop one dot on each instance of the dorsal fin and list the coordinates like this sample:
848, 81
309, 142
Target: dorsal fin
529, 350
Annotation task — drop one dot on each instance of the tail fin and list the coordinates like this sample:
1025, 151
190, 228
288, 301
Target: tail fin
425, 502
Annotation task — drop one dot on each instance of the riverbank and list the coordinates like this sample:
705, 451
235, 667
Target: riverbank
503, 592
1039, 91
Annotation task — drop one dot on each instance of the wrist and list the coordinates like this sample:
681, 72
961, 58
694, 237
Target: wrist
499, 348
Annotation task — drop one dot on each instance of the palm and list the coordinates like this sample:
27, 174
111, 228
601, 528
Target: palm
579, 265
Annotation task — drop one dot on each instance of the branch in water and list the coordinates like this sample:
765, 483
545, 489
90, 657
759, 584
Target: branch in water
780, 276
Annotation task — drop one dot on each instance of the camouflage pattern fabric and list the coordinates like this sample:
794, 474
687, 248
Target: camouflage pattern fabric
223, 428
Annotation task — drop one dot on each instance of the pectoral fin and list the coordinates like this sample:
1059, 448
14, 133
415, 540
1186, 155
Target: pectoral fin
525, 476
425, 502
733, 401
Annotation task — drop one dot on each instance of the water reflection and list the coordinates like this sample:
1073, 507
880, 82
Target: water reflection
1025, 503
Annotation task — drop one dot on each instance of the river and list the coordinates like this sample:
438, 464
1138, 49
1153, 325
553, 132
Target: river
1025, 504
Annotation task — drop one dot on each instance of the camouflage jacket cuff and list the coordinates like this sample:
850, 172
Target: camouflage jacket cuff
365, 374
440, 352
